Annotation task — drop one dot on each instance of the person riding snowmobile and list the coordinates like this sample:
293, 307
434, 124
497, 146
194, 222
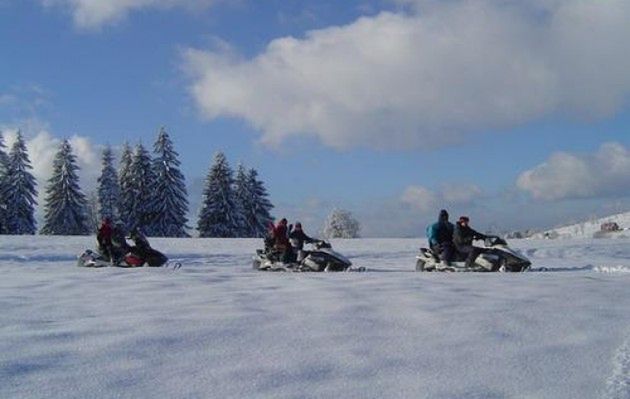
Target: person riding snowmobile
281, 240
119, 243
269, 239
143, 250
104, 238
141, 244
440, 235
463, 238
297, 237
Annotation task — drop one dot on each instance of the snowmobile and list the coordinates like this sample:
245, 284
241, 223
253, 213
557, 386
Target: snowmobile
321, 259
497, 257
135, 256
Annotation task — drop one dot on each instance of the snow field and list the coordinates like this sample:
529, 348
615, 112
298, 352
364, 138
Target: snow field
216, 328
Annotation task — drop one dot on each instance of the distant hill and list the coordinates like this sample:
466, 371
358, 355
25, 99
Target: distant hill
592, 228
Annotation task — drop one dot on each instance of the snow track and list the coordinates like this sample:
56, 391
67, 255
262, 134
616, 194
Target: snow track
618, 385
216, 328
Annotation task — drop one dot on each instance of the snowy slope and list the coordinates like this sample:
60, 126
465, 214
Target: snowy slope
217, 329
589, 228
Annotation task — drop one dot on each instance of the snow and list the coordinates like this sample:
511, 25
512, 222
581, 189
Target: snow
216, 328
590, 228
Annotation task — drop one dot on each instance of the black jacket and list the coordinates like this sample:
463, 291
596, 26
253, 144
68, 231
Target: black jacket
298, 238
464, 235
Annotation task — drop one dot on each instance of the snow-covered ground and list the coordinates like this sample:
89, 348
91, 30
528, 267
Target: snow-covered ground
591, 228
217, 329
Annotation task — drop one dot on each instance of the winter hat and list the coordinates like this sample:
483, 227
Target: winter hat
443, 215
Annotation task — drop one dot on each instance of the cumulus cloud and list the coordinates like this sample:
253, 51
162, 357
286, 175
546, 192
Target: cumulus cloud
95, 13
424, 199
431, 75
606, 173
42, 147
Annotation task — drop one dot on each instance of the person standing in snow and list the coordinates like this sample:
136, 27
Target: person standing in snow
463, 237
440, 235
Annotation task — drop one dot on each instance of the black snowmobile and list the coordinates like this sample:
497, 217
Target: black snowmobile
497, 257
131, 256
322, 258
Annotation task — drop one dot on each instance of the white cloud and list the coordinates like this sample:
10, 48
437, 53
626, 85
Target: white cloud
95, 13
420, 198
42, 147
460, 193
568, 176
426, 78
424, 200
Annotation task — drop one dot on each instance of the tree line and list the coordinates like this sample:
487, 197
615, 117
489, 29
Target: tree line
146, 191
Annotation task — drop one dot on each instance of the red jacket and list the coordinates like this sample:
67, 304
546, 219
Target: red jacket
104, 235
281, 236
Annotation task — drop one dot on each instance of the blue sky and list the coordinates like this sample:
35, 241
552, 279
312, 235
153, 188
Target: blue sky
514, 114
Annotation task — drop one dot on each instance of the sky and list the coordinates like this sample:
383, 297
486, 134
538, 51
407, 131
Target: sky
513, 113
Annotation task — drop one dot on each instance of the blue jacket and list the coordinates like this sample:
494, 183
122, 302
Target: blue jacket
441, 231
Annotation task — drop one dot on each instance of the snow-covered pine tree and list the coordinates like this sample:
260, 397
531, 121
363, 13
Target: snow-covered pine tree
4, 169
19, 193
127, 196
141, 184
244, 198
92, 211
108, 188
219, 216
169, 203
341, 224
65, 208
259, 216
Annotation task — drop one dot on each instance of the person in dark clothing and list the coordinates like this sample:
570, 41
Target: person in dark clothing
440, 235
281, 241
119, 243
463, 238
143, 250
269, 239
104, 238
297, 237
141, 244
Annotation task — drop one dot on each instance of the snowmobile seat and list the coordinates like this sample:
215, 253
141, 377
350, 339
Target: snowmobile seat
133, 260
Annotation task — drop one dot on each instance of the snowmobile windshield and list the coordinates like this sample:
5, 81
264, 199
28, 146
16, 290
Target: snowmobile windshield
493, 240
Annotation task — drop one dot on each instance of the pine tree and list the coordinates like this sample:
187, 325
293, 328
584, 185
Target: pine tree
259, 216
19, 191
127, 196
4, 170
141, 175
341, 224
108, 189
170, 202
92, 211
219, 215
65, 208
244, 198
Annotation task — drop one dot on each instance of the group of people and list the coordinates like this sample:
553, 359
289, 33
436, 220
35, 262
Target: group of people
287, 239
448, 241
112, 243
